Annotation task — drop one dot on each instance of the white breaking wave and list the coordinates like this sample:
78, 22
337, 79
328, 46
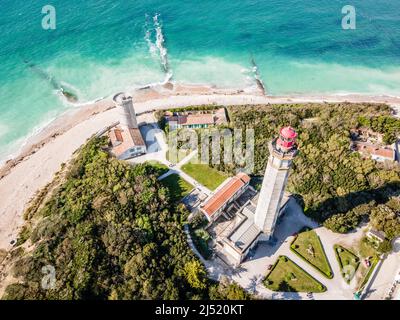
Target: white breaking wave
157, 47
152, 47
160, 43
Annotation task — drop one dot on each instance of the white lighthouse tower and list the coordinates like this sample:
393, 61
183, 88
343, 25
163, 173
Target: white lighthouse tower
282, 152
126, 110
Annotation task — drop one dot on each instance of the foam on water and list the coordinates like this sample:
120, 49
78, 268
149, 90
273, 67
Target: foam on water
299, 47
157, 48
210, 70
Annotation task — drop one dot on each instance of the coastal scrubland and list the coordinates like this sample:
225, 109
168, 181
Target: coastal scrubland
109, 230
335, 186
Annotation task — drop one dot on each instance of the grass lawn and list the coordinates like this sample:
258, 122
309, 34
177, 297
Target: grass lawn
207, 176
178, 188
159, 167
366, 250
368, 272
308, 246
175, 157
348, 262
286, 276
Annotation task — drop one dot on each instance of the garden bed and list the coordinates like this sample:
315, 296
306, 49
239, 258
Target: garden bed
348, 262
307, 245
287, 276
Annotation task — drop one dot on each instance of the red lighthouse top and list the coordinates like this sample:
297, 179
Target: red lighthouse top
287, 138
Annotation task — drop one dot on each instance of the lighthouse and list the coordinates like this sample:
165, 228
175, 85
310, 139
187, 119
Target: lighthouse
283, 150
126, 110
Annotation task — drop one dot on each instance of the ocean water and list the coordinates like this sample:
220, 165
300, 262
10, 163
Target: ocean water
103, 46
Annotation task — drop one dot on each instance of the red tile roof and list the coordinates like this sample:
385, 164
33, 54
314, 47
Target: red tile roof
136, 137
123, 139
193, 119
385, 152
211, 118
225, 194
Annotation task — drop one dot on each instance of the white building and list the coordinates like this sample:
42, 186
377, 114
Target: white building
252, 216
126, 139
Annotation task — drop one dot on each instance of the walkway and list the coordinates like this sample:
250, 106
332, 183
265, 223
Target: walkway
385, 278
251, 273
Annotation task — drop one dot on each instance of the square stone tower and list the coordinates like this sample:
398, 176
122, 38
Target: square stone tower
282, 152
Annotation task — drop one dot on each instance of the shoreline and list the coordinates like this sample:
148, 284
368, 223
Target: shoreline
42, 155
79, 113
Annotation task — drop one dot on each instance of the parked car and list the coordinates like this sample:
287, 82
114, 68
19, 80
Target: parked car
367, 263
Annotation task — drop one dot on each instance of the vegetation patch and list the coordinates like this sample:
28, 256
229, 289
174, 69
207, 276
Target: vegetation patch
204, 174
387, 125
336, 187
111, 231
348, 262
200, 236
287, 276
368, 272
307, 245
178, 155
366, 248
159, 168
178, 188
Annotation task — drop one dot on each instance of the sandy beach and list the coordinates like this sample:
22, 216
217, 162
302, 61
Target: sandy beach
44, 153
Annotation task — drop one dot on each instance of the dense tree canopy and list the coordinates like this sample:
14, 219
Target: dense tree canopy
387, 125
111, 232
334, 184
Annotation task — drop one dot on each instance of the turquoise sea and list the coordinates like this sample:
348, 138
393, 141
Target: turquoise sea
103, 46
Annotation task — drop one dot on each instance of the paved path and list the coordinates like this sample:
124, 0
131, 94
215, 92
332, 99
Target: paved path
381, 284
251, 273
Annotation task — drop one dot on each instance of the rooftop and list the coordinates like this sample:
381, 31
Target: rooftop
125, 138
186, 119
193, 119
367, 148
378, 234
121, 96
288, 133
225, 193
247, 232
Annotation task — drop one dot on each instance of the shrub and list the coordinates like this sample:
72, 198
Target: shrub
283, 259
